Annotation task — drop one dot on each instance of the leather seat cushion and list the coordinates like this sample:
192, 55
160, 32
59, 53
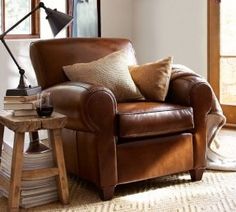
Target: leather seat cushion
138, 119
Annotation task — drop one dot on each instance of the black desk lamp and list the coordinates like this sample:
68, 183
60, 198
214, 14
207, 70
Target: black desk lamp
57, 21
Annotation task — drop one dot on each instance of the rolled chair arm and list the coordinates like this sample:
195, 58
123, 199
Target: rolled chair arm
189, 89
91, 113
88, 107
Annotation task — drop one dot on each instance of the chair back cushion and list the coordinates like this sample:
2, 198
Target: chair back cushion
49, 56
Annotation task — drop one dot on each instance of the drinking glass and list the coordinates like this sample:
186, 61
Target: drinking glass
44, 106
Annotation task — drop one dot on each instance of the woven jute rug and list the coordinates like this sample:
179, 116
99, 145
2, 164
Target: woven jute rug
216, 192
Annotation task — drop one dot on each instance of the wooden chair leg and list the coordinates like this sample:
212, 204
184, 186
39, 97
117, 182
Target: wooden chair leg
107, 193
196, 174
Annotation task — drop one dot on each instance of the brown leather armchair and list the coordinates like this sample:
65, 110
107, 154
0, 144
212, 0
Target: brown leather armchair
111, 143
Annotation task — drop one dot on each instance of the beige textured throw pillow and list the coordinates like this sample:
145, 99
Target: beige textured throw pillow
110, 71
153, 79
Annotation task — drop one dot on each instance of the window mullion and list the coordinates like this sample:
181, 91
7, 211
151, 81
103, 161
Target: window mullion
35, 30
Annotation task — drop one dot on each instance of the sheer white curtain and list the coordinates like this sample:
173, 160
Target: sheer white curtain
85, 22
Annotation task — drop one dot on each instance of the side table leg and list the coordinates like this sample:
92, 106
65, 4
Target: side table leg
16, 171
56, 142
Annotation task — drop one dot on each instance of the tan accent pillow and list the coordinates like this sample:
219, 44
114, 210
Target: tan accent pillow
153, 79
110, 71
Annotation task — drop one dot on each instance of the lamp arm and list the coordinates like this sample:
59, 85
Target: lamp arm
22, 83
10, 53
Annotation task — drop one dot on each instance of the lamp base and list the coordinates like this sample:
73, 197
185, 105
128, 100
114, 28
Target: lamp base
35, 145
23, 91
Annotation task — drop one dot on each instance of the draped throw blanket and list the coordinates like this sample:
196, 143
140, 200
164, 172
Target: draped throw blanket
215, 121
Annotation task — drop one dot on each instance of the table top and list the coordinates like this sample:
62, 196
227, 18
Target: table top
31, 123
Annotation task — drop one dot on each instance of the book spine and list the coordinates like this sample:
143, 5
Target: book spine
18, 106
24, 113
20, 98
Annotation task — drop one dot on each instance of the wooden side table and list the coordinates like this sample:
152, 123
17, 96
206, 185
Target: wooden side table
21, 125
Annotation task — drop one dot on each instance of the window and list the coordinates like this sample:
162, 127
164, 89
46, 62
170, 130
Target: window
222, 54
12, 11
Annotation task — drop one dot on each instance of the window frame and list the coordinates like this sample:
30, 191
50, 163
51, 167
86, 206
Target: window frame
35, 23
214, 44
214, 58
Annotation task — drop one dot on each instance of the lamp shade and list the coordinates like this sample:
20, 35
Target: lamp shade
57, 20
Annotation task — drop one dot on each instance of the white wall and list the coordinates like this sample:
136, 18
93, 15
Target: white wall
116, 18
160, 28
171, 27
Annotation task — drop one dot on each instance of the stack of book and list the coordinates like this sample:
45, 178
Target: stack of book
21, 105
34, 192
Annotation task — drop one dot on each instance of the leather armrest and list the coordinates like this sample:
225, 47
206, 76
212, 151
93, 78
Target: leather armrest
192, 90
88, 107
